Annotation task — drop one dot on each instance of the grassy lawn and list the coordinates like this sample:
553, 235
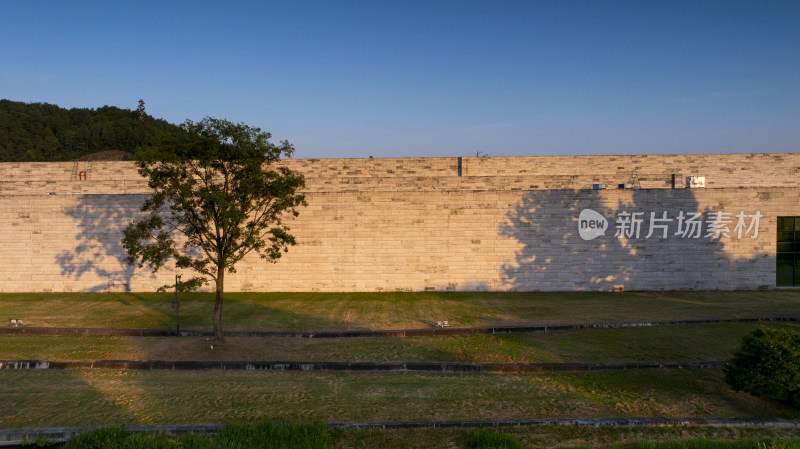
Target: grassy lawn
107, 397
309, 436
557, 436
110, 397
350, 311
679, 343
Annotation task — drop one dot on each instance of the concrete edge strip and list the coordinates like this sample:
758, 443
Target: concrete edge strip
447, 331
15, 437
445, 367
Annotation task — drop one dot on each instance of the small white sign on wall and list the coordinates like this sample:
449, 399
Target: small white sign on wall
694, 182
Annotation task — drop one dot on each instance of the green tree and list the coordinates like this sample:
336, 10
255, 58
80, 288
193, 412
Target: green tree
767, 364
216, 197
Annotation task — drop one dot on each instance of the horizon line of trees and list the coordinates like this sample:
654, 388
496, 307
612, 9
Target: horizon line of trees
42, 132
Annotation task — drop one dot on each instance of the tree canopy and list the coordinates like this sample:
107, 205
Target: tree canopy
216, 198
44, 132
767, 364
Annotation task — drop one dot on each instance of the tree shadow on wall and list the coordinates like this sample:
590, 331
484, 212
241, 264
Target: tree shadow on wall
553, 256
98, 255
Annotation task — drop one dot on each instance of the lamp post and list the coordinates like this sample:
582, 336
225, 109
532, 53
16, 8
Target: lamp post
177, 306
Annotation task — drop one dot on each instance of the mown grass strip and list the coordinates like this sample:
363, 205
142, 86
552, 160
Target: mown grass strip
107, 435
703, 444
258, 436
366, 311
438, 332
443, 367
505, 438
686, 343
483, 439
113, 397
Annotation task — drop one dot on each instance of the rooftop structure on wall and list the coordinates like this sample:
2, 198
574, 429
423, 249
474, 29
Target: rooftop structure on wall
476, 173
469, 223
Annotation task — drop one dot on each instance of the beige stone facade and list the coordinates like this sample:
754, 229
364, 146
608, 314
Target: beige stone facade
443, 224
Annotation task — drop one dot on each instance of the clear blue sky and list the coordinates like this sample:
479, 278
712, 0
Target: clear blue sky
428, 78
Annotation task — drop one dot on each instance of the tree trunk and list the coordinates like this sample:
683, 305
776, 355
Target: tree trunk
218, 306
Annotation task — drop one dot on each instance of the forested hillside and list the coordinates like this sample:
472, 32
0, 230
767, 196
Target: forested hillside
46, 132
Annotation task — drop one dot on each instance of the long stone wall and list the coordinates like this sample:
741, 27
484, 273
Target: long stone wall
508, 223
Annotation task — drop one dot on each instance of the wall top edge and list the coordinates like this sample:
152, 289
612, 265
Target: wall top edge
599, 193
605, 155
450, 173
433, 158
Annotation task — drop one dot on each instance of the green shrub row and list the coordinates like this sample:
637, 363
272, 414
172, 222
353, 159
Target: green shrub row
707, 444
483, 439
233, 436
315, 436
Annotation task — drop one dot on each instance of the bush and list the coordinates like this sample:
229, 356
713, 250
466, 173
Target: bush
768, 365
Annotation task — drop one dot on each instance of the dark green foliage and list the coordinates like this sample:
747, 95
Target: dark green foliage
708, 444
118, 438
483, 439
233, 436
273, 436
46, 132
316, 436
216, 198
767, 364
